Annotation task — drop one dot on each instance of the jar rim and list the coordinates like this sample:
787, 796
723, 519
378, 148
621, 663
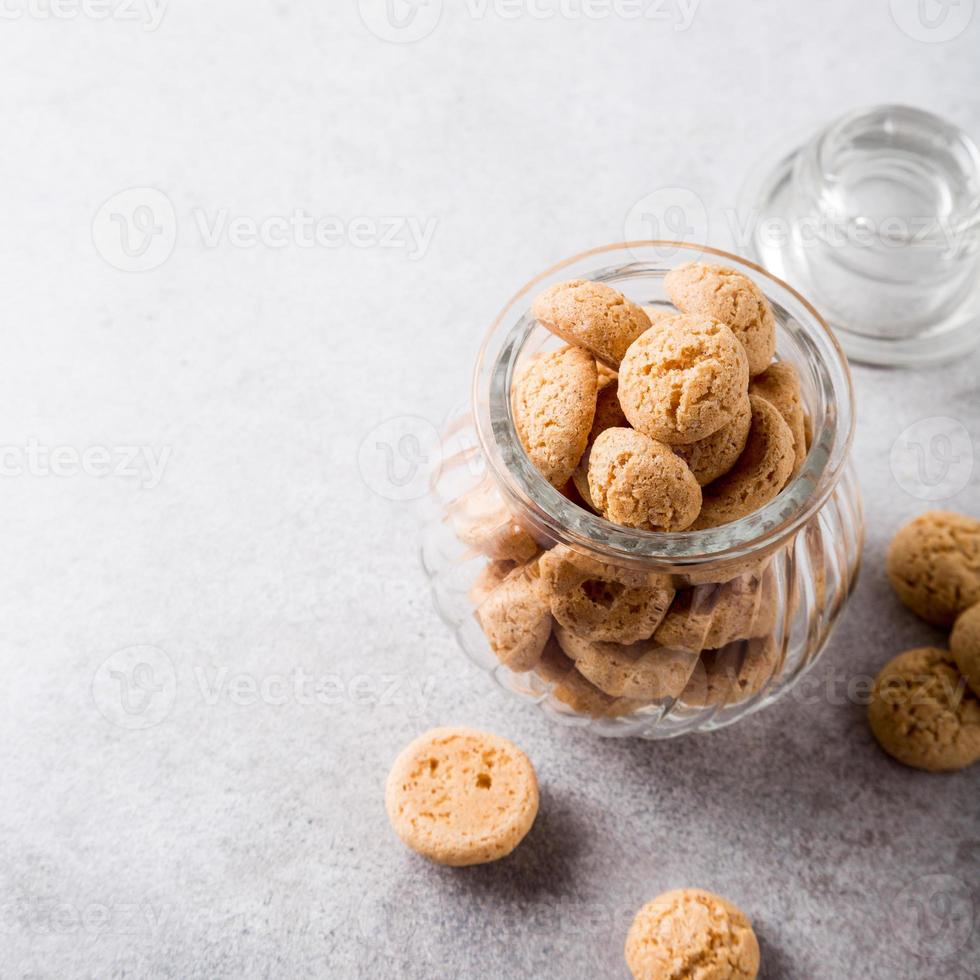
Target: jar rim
564, 521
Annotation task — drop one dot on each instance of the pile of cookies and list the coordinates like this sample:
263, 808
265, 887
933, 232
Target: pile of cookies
663, 420
925, 705
658, 421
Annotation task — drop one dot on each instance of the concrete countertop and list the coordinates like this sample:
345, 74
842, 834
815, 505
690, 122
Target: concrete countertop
191, 394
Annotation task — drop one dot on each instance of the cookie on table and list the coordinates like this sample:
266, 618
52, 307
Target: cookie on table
732, 673
692, 934
608, 610
714, 455
577, 693
923, 713
482, 522
642, 671
934, 565
711, 617
516, 618
761, 472
639, 482
964, 645
554, 405
779, 384
608, 415
725, 294
458, 796
683, 379
591, 315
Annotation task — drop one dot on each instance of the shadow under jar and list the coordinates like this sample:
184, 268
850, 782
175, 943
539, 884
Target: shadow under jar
648, 634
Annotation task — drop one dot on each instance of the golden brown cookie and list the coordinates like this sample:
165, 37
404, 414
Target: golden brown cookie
574, 691
923, 713
488, 578
608, 415
760, 473
732, 673
600, 609
591, 315
563, 568
934, 565
779, 384
715, 455
639, 482
459, 796
683, 379
643, 671
482, 521
516, 618
692, 934
554, 404
709, 617
964, 644
726, 295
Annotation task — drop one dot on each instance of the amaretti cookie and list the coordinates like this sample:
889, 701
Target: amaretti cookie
964, 645
516, 618
482, 522
599, 609
608, 415
713, 616
639, 482
714, 455
779, 384
692, 934
923, 713
591, 315
732, 673
760, 473
459, 796
563, 568
683, 379
554, 406
725, 294
638, 671
934, 565
575, 692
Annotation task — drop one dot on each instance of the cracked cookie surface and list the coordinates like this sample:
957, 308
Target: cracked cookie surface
923, 713
458, 796
640, 671
964, 644
554, 406
714, 455
726, 295
779, 384
692, 934
591, 315
639, 482
683, 379
934, 565
758, 476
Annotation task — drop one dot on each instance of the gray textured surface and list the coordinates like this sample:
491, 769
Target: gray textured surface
245, 836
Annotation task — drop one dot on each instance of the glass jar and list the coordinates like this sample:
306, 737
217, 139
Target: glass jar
740, 611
